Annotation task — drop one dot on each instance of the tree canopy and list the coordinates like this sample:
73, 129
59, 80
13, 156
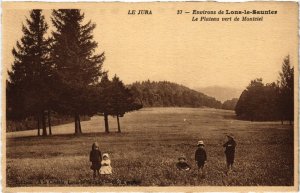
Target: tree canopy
273, 101
168, 94
230, 104
77, 67
29, 83
116, 99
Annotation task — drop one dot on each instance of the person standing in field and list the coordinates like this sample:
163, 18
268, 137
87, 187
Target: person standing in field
200, 157
229, 152
95, 158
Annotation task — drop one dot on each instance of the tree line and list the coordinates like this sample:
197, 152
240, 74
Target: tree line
62, 73
230, 104
271, 101
168, 94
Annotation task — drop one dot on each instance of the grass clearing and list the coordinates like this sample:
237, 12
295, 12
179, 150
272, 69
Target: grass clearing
146, 152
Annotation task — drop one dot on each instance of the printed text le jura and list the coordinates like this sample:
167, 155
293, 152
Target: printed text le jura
139, 12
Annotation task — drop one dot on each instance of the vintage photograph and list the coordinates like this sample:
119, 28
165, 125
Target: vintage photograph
158, 94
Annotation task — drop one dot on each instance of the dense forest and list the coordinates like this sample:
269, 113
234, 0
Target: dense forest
168, 94
271, 101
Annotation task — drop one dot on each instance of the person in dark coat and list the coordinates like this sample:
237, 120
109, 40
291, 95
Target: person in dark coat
200, 157
95, 158
230, 152
182, 165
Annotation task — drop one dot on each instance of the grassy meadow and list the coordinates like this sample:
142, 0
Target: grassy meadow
146, 151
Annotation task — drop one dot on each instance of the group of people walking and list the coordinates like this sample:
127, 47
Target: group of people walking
201, 156
101, 164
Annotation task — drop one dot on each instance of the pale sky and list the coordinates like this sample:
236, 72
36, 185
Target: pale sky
167, 46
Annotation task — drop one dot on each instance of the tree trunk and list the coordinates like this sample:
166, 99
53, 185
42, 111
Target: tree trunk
76, 125
119, 128
38, 125
49, 122
44, 124
106, 123
79, 124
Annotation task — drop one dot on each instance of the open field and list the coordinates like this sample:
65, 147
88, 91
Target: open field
147, 151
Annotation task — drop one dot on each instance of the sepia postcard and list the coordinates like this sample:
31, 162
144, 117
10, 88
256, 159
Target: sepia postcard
157, 96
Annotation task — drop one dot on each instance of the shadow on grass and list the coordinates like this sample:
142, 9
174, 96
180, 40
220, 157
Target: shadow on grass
68, 136
229, 116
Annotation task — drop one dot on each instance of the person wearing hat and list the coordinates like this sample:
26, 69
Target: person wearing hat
229, 151
95, 158
200, 157
182, 165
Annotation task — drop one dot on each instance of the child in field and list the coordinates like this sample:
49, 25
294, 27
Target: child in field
105, 165
200, 157
95, 158
229, 152
182, 165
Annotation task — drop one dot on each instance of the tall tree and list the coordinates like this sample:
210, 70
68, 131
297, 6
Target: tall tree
271, 101
122, 100
286, 90
77, 66
104, 102
30, 76
250, 100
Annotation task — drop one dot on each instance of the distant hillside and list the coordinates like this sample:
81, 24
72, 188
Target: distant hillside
167, 94
221, 93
